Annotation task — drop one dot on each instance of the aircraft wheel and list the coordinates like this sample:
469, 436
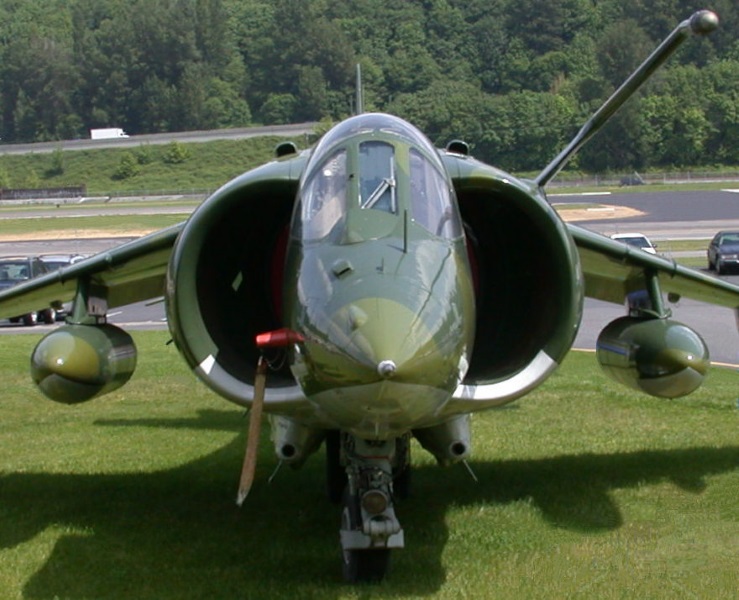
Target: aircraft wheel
336, 478
402, 473
402, 483
361, 566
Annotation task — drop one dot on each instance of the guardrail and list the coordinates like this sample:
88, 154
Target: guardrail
629, 179
74, 191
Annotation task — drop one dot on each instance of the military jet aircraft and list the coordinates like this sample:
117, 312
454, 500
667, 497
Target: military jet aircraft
370, 290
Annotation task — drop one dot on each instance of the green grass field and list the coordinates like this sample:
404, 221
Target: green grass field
74, 227
586, 490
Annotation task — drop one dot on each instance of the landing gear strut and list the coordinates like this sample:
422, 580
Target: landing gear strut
359, 564
369, 527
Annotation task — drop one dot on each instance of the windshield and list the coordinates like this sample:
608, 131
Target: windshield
431, 203
324, 197
55, 265
377, 176
367, 173
729, 239
14, 271
639, 242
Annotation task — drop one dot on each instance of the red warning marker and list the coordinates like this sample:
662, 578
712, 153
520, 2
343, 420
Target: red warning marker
279, 338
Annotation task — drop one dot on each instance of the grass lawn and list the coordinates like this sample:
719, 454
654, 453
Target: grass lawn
586, 490
74, 227
667, 246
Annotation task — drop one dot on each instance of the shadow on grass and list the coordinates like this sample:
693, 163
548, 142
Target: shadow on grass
178, 534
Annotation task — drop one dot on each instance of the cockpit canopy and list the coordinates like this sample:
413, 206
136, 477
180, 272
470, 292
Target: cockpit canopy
368, 172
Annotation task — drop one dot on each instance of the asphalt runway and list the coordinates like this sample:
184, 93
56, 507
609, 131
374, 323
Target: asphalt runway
665, 215
717, 326
665, 207
668, 215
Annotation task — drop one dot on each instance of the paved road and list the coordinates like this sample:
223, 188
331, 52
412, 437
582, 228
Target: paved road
293, 130
673, 215
668, 215
718, 326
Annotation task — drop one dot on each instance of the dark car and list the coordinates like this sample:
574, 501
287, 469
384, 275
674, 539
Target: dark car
54, 262
723, 251
17, 269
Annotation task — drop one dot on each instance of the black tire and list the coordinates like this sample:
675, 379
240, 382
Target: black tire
719, 269
361, 566
336, 478
48, 316
402, 483
30, 319
402, 473
366, 566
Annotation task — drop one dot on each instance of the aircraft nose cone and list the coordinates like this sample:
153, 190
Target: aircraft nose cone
386, 369
394, 342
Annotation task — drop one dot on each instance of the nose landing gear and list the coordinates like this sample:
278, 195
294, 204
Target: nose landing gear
369, 527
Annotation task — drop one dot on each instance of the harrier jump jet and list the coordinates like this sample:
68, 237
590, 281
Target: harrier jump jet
370, 290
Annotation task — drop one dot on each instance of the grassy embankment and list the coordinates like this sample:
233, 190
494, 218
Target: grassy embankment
586, 490
203, 168
198, 167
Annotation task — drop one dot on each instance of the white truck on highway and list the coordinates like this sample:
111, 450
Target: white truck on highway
107, 133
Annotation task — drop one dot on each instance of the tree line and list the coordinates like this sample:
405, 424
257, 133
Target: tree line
514, 78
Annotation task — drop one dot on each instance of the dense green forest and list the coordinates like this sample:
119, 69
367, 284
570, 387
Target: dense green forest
514, 78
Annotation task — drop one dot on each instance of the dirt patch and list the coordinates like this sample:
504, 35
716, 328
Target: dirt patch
597, 213
67, 234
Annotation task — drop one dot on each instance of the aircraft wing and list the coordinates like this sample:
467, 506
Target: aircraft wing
613, 269
129, 273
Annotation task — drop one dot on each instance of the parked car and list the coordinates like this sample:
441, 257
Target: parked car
54, 262
633, 179
723, 251
639, 240
17, 269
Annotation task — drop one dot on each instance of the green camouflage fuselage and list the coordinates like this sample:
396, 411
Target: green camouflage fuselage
385, 305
